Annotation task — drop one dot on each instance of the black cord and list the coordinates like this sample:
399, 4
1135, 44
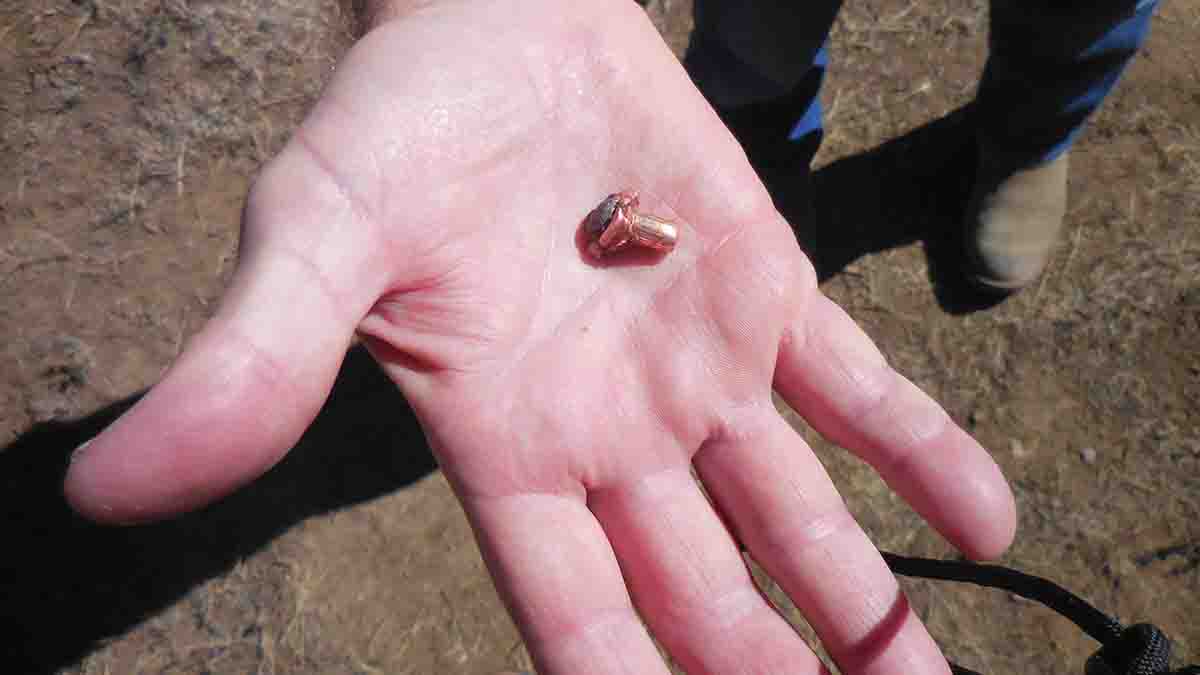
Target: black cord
1102, 627
1141, 649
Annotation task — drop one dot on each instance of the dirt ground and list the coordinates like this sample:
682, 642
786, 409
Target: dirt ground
129, 130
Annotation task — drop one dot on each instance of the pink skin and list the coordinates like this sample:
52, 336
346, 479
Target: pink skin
429, 204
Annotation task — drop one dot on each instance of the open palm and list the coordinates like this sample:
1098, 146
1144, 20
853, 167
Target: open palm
431, 204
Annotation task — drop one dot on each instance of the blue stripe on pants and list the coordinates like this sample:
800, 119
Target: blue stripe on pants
1051, 64
1050, 68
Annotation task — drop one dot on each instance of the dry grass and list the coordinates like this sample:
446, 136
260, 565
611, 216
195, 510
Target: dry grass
134, 126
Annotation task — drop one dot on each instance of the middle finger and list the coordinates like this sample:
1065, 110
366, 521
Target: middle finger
690, 582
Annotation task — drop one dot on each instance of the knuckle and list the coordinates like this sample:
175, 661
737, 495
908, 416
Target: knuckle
792, 274
814, 530
805, 273
799, 284
872, 397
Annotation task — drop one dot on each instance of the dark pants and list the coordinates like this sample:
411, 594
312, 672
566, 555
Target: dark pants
1051, 64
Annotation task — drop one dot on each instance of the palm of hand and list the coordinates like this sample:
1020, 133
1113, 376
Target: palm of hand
431, 204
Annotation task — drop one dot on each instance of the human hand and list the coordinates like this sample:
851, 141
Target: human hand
430, 203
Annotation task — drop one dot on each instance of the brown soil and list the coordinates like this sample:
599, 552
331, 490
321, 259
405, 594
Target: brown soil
129, 131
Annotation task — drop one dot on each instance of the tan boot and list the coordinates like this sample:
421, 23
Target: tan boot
1013, 223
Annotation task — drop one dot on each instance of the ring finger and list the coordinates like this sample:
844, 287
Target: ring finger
690, 582
783, 507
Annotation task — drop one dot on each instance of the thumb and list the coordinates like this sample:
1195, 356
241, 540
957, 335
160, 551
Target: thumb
240, 395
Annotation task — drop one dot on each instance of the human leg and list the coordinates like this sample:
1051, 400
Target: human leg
1051, 66
763, 60
761, 65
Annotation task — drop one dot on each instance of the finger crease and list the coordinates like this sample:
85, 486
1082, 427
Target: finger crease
354, 202
874, 391
267, 369
335, 296
793, 537
899, 462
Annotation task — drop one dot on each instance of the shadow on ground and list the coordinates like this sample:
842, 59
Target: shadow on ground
911, 189
66, 583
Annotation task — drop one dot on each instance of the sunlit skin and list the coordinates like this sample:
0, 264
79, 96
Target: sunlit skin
430, 203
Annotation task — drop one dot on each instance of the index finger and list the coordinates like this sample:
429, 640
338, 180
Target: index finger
831, 373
